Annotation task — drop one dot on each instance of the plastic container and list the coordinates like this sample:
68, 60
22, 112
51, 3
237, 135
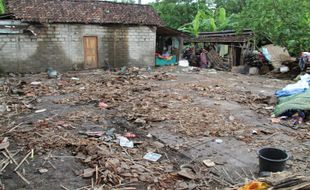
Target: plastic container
272, 159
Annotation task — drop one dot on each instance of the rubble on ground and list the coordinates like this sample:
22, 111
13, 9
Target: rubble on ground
104, 120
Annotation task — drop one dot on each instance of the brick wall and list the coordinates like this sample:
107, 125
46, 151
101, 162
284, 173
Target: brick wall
61, 46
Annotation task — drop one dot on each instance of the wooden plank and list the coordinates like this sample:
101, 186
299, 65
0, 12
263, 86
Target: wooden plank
215, 59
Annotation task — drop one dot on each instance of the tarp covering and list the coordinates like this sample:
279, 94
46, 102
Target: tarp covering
276, 55
294, 102
301, 86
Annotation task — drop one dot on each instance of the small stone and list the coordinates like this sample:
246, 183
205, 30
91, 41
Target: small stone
253, 71
114, 161
264, 174
124, 166
2, 108
140, 121
132, 180
138, 167
89, 172
169, 168
4, 145
158, 145
43, 170
88, 159
231, 118
208, 163
156, 180
126, 175
144, 177
182, 185
218, 141
187, 173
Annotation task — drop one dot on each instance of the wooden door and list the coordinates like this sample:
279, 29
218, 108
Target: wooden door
90, 52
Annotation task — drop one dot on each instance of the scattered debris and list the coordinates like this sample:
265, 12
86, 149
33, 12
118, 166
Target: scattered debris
35, 83
52, 73
40, 111
103, 105
89, 172
218, 141
75, 78
124, 142
183, 116
187, 172
130, 135
151, 156
255, 185
92, 133
208, 163
43, 170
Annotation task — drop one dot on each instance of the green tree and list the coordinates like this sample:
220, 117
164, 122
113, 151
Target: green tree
283, 22
231, 6
2, 7
175, 13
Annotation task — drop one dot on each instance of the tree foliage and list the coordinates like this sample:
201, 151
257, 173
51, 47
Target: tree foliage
231, 6
283, 22
2, 7
175, 13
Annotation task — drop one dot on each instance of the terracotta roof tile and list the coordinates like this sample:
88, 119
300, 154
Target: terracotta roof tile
82, 11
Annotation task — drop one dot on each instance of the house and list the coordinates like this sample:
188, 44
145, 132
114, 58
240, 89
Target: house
76, 34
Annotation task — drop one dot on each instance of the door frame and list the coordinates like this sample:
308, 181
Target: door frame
97, 55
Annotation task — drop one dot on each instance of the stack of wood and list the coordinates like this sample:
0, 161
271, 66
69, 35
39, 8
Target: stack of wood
216, 60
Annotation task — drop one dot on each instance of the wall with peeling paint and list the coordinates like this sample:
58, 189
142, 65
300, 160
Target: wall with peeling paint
61, 46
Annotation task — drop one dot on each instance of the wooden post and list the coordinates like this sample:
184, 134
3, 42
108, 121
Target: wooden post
181, 46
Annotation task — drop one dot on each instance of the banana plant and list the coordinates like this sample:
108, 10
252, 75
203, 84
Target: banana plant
207, 21
194, 26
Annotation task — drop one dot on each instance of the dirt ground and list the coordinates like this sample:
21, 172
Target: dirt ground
186, 116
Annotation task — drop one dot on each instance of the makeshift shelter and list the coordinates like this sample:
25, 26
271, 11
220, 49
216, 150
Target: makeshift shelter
169, 41
237, 43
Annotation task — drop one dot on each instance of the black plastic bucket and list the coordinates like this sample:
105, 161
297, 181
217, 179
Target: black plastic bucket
272, 160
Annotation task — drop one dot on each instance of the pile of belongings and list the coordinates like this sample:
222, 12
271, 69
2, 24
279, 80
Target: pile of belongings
276, 55
294, 100
279, 181
255, 59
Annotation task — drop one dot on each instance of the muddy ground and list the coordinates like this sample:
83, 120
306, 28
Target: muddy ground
186, 116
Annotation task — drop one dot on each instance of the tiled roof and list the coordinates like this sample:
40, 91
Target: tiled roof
82, 11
